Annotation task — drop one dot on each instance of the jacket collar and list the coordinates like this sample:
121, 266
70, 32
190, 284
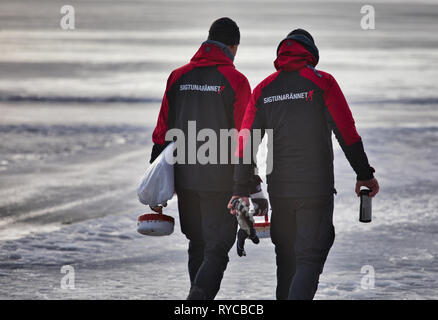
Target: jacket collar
212, 53
296, 52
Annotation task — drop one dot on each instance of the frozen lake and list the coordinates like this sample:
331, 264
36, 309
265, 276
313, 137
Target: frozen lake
77, 109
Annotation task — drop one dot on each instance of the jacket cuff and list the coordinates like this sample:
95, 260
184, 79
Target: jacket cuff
240, 190
156, 150
255, 184
366, 175
357, 157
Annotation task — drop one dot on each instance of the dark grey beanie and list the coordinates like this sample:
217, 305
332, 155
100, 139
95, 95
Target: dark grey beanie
224, 30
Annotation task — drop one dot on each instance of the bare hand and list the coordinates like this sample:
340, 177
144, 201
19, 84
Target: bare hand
230, 203
372, 184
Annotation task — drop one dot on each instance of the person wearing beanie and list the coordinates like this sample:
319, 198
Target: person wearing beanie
212, 94
302, 106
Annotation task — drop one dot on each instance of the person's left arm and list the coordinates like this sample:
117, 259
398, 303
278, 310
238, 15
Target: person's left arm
342, 122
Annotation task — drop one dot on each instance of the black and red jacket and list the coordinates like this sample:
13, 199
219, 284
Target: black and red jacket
210, 91
302, 106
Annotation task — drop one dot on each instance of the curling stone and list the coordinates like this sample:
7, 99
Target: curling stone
155, 224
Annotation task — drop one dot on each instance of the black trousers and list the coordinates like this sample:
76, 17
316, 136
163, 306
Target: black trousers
211, 231
302, 231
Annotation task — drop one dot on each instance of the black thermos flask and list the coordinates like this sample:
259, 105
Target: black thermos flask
365, 212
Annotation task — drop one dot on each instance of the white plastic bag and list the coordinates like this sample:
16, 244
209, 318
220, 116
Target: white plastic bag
157, 185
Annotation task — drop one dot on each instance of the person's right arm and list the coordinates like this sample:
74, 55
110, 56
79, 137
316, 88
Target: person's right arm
159, 134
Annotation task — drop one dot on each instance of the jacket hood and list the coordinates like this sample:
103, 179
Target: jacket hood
296, 52
212, 53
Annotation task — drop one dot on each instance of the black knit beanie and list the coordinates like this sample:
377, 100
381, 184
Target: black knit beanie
226, 31
303, 32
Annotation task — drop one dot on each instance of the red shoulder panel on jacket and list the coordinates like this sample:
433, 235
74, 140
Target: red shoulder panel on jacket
242, 91
258, 90
251, 110
250, 113
336, 104
320, 78
178, 73
233, 76
159, 134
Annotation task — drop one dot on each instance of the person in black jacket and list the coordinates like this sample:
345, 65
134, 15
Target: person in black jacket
302, 106
211, 94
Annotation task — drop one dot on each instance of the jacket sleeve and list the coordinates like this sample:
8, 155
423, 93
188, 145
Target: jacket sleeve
342, 123
159, 134
243, 96
245, 181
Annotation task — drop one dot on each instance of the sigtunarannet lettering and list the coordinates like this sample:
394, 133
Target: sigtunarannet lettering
199, 87
286, 96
